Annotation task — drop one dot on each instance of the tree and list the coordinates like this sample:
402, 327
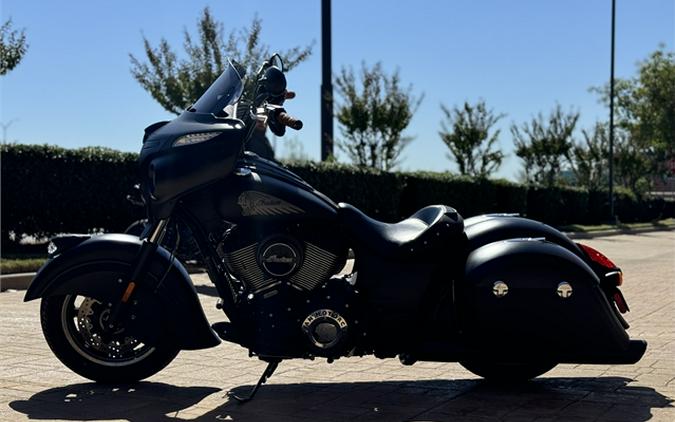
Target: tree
544, 143
176, 83
373, 114
634, 168
466, 132
589, 160
645, 117
13, 47
653, 105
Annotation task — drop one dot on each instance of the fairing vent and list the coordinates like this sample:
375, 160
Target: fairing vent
318, 265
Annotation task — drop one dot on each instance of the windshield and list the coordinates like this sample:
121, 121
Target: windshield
225, 91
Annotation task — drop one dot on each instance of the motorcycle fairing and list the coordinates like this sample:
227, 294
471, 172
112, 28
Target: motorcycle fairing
176, 292
173, 171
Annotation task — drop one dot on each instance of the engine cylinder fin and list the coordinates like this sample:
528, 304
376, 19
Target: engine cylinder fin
317, 267
243, 263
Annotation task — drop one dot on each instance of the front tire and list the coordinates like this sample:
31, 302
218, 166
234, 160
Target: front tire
70, 324
508, 373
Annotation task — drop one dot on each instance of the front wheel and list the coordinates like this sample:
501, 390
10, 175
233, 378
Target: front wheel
508, 372
73, 327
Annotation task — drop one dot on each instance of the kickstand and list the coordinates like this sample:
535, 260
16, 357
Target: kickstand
271, 367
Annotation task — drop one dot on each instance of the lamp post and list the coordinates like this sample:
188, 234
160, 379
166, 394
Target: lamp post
612, 218
326, 82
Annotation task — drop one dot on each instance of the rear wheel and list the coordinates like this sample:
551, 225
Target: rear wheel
74, 329
508, 372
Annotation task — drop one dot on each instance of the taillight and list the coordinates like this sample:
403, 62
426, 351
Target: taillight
597, 257
614, 276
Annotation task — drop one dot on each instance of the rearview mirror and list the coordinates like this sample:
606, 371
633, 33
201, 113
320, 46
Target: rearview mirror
274, 81
277, 62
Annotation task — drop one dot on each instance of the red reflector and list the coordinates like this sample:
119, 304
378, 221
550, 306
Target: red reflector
597, 257
620, 302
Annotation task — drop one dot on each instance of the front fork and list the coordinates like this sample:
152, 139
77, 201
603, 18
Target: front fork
151, 238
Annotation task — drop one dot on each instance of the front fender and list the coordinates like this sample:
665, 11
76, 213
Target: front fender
176, 293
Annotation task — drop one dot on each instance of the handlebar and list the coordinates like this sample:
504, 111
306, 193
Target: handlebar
288, 120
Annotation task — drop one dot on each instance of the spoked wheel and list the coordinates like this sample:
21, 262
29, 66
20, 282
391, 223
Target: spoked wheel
75, 329
508, 373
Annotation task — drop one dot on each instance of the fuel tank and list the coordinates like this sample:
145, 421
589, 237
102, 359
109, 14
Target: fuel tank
262, 190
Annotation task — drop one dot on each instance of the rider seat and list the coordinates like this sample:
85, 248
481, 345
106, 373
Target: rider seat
425, 230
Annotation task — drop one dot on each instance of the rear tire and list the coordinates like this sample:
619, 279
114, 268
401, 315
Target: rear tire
508, 373
75, 344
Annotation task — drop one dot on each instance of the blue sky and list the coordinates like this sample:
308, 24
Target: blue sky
74, 87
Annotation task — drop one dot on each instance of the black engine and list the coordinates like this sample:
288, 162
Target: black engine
289, 292
264, 257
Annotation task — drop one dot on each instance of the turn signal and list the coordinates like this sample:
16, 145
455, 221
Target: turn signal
616, 277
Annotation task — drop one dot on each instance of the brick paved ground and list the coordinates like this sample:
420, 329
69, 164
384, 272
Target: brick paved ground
34, 385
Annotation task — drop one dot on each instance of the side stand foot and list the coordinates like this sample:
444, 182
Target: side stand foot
271, 367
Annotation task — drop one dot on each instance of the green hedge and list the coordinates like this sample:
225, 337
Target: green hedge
377, 194
470, 197
47, 190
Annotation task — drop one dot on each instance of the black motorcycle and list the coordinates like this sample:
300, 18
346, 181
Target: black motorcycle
507, 297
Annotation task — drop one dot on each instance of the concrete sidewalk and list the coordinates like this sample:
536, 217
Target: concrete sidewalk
35, 385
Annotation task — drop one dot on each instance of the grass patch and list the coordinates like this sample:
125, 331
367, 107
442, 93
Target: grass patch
20, 265
669, 222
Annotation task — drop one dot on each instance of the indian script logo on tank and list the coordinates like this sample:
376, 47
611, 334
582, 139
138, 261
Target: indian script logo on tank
258, 203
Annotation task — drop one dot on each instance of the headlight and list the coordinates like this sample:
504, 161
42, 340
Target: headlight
195, 138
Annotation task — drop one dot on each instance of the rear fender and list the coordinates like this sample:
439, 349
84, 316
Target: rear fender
63, 274
483, 229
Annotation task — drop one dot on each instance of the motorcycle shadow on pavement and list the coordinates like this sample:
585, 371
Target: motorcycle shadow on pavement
604, 398
144, 401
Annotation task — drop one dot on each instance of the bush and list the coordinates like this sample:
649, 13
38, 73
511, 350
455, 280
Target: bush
469, 197
48, 190
558, 206
376, 193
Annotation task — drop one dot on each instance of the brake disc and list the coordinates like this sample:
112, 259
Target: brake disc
92, 316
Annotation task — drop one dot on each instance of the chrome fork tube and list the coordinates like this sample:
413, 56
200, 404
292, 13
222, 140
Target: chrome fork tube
157, 233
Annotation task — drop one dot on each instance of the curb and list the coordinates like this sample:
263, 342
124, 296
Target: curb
19, 281
614, 232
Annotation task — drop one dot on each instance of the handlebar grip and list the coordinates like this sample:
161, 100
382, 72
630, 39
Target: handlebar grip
288, 120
